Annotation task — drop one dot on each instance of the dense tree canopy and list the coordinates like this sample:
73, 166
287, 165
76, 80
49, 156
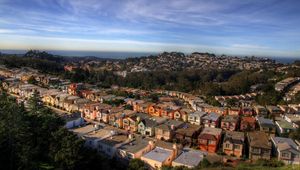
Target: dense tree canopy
35, 138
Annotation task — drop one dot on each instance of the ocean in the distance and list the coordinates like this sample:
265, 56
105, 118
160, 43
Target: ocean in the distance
122, 55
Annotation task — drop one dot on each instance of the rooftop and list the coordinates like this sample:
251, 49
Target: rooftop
158, 154
235, 137
190, 157
83, 130
284, 124
230, 118
259, 139
281, 140
174, 123
188, 129
115, 140
212, 116
265, 122
248, 119
99, 134
211, 131
198, 113
136, 145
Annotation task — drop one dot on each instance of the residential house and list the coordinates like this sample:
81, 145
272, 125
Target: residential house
131, 123
73, 120
247, 111
92, 138
147, 127
274, 110
211, 120
111, 144
283, 127
234, 111
209, 139
260, 111
286, 150
230, 122
248, 124
218, 110
161, 156
259, 145
166, 131
58, 99
293, 118
81, 131
159, 120
181, 114
233, 144
135, 148
142, 107
196, 117
68, 102
189, 158
117, 119
187, 135
49, 99
74, 88
92, 111
286, 109
266, 125
105, 113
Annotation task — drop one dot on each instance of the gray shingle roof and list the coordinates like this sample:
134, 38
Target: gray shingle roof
190, 157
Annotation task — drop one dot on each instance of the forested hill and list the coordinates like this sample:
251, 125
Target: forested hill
42, 61
35, 138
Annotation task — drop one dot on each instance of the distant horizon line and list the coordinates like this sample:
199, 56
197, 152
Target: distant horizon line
68, 53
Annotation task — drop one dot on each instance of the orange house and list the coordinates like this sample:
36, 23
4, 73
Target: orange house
154, 110
218, 110
209, 139
234, 111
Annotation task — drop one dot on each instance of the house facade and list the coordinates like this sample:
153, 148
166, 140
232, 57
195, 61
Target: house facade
229, 122
211, 120
259, 145
195, 117
209, 139
286, 150
233, 144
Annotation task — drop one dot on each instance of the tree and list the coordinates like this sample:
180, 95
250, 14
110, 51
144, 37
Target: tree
137, 164
32, 80
37, 139
205, 163
154, 98
66, 151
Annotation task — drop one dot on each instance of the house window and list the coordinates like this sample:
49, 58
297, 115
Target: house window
203, 141
227, 145
211, 142
285, 155
237, 147
255, 150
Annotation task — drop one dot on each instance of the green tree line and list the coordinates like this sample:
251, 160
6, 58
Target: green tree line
35, 138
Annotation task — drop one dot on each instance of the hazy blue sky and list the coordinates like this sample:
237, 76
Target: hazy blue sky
240, 27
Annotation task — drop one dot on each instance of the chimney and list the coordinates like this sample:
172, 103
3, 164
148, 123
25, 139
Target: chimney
172, 127
175, 150
138, 119
152, 145
130, 136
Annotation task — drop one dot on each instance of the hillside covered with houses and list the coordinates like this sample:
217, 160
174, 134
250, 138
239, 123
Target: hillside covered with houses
165, 127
